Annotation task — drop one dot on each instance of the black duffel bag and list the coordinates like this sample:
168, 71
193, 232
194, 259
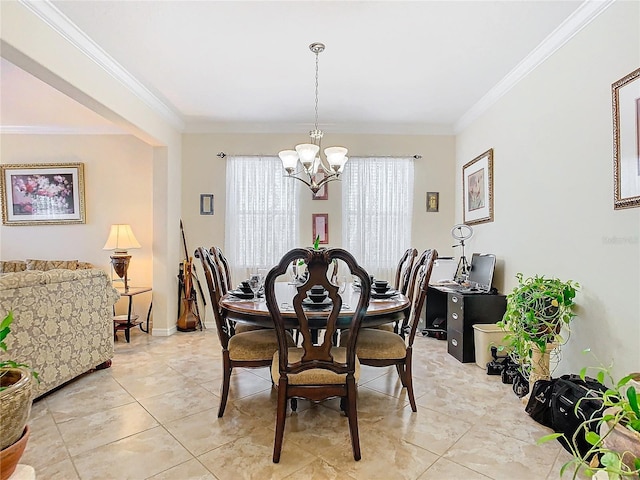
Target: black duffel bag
564, 404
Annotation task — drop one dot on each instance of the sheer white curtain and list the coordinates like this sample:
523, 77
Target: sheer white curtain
261, 223
377, 207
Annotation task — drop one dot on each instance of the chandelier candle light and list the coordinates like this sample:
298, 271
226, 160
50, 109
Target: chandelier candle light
308, 153
121, 238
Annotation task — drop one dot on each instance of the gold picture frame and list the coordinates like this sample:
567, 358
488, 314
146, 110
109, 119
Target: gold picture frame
477, 189
626, 141
433, 201
42, 194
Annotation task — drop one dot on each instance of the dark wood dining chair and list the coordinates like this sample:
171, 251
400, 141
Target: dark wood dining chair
316, 371
381, 348
403, 271
249, 349
225, 277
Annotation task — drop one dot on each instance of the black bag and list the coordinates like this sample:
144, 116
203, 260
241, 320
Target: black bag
569, 391
563, 404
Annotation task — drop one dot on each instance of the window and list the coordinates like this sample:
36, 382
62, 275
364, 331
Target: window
261, 214
377, 207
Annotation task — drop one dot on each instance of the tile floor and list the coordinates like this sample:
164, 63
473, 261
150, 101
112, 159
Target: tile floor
153, 415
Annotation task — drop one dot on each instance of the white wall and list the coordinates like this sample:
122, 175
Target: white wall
553, 174
118, 189
203, 172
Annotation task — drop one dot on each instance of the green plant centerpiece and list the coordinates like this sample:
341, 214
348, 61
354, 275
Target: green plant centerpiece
614, 435
537, 310
15, 393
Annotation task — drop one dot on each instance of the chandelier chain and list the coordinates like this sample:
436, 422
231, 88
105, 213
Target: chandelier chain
317, 63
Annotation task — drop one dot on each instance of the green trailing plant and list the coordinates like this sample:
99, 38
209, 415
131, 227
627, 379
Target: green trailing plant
316, 243
621, 411
5, 329
537, 309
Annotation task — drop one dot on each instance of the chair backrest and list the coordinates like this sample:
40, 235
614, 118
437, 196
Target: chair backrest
225, 273
212, 274
403, 272
317, 356
422, 274
420, 261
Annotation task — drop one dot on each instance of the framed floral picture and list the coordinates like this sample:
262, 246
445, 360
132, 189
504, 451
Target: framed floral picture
42, 194
477, 189
626, 140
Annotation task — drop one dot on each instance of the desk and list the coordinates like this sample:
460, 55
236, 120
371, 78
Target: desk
256, 313
129, 321
462, 311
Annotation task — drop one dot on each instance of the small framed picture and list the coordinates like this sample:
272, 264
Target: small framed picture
320, 222
477, 189
42, 194
626, 140
323, 193
433, 201
206, 204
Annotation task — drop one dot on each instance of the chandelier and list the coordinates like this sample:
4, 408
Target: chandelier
308, 154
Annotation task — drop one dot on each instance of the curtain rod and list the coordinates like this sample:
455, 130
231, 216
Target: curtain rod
416, 157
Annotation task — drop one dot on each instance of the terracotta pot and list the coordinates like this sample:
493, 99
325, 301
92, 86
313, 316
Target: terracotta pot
10, 456
15, 404
621, 439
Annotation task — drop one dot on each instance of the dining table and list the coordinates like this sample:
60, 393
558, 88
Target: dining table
379, 312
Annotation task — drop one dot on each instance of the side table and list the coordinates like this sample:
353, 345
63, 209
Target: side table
129, 321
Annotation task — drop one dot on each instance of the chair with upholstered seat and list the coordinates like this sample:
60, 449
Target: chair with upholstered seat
249, 349
380, 348
316, 371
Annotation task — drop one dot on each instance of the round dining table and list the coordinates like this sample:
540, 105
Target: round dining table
379, 312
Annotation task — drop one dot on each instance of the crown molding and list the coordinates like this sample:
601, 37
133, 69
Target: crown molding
57, 130
579, 19
59, 22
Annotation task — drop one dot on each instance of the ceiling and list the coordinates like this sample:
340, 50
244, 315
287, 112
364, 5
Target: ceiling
410, 67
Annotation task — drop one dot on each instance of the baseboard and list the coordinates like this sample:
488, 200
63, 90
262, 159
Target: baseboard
164, 332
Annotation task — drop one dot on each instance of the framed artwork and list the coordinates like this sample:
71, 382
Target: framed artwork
433, 201
323, 193
320, 222
626, 141
477, 189
42, 194
206, 204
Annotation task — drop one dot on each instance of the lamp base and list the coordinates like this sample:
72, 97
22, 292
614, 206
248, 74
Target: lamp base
120, 264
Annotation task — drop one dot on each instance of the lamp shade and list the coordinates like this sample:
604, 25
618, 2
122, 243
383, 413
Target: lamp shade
121, 238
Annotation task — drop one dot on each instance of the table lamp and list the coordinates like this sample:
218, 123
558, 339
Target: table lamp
121, 238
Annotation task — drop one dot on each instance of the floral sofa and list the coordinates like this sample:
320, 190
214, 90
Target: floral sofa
63, 323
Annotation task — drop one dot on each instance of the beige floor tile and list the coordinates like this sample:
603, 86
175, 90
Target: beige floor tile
319, 470
181, 403
204, 431
149, 385
445, 469
87, 433
88, 394
243, 383
425, 428
191, 470
45, 446
251, 457
490, 453
63, 470
136, 457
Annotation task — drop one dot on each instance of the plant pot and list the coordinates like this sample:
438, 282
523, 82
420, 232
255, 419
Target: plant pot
10, 456
15, 404
540, 364
620, 439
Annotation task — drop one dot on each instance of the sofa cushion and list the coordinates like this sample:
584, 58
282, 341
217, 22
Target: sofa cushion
10, 266
45, 265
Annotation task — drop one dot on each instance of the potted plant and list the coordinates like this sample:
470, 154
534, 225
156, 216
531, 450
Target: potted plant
614, 435
537, 310
15, 401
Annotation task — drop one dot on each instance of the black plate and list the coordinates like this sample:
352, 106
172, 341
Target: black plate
307, 302
243, 295
387, 294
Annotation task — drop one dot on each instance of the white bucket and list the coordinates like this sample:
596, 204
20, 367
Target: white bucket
485, 336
